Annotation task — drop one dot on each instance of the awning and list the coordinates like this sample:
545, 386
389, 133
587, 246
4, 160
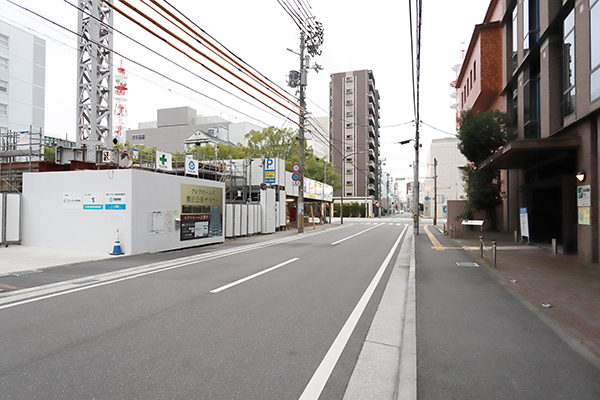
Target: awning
526, 153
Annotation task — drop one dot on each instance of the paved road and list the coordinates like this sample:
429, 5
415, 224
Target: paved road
477, 341
250, 322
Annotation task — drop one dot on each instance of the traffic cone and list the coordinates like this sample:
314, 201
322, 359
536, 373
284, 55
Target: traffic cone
117, 248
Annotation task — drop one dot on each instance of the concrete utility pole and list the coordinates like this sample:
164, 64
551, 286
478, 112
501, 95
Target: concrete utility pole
303, 80
435, 191
416, 184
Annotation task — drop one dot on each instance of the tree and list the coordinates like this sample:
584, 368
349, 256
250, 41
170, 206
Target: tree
480, 135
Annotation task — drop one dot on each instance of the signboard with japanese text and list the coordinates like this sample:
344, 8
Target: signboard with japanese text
114, 201
270, 170
584, 196
201, 214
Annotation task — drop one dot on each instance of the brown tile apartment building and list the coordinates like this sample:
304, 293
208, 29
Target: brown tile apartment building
547, 53
354, 131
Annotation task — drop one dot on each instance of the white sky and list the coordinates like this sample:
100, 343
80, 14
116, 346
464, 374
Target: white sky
358, 35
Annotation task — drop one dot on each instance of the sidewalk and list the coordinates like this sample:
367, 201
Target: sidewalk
561, 290
17, 259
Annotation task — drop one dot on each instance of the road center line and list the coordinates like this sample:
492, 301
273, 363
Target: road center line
356, 234
253, 276
316, 384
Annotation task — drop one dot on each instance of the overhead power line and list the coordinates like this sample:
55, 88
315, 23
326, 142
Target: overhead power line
172, 34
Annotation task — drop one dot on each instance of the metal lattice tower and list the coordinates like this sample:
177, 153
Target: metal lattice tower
94, 78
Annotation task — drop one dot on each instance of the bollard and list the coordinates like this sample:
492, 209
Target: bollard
481, 246
516, 237
494, 253
554, 247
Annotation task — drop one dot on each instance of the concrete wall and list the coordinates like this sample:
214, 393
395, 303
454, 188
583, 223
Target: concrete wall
74, 210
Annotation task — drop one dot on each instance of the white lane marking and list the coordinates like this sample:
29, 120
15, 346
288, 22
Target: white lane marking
26, 296
315, 386
356, 234
253, 276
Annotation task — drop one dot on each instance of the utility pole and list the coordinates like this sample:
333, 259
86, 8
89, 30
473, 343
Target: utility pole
303, 81
304, 19
416, 184
435, 191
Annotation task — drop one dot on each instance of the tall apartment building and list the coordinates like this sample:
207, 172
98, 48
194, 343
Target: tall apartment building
549, 54
22, 79
354, 132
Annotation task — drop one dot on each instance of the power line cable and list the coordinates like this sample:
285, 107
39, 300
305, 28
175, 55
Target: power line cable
117, 9
214, 49
135, 62
229, 51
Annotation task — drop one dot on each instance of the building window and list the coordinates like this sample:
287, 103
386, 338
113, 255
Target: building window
349, 79
349, 102
3, 87
3, 110
531, 23
349, 171
595, 49
474, 70
349, 159
349, 114
4, 63
569, 64
350, 137
531, 98
349, 91
3, 40
138, 137
349, 183
515, 39
348, 194
348, 148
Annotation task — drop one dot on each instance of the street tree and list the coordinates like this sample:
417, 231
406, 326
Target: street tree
480, 135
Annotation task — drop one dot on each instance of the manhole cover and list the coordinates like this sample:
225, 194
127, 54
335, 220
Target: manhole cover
467, 264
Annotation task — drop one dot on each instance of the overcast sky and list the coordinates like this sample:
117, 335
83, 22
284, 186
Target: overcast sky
359, 34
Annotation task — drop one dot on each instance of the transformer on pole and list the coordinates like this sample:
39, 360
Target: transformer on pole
94, 77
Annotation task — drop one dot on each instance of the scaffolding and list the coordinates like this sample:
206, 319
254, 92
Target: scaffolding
19, 152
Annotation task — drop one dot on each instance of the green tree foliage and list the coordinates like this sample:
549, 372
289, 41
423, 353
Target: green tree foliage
480, 135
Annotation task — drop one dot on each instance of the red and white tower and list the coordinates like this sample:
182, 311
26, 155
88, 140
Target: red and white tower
120, 108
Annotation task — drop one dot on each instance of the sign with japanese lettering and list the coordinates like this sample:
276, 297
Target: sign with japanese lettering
270, 169
201, 211
584, 196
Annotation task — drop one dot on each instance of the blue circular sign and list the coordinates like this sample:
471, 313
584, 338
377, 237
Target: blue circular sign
296, 176
192, 165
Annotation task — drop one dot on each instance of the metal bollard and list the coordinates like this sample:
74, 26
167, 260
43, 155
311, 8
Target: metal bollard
494, 252
516, 237
481, 246
554, 247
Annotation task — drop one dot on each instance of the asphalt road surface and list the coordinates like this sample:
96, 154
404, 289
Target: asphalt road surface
276, 319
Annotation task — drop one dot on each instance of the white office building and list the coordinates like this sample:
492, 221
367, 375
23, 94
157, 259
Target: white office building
449, 176
22, 80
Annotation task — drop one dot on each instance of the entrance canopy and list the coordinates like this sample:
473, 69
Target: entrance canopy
530, 153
